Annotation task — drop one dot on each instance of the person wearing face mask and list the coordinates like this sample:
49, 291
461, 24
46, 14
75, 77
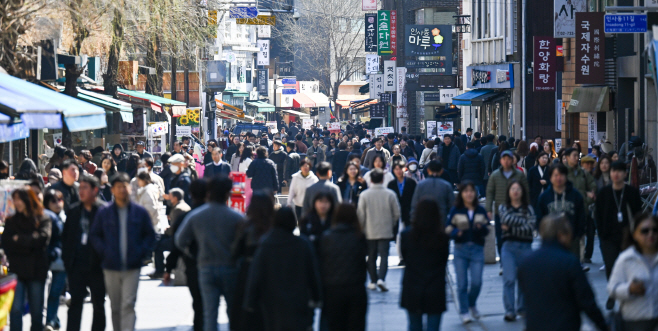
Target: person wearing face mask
146, 166
180, 178
412, 170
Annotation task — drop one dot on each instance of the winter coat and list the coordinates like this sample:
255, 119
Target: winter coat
70, 193
232, 150
458, 221
424, 279
105, 236
301, 147
556, 290
370, 156
338, 163
283, 280
235, 162
408, 152
582, 181
291, 166
437, 189
263, 175
534, 182
520, 223
487, 151
425, 157
388, 177
353, 195
55, 245
529, 161
605, 212
243, 166
631, 265
121, 160
298, 186
279, 158
147, 197
183, 182
342, 251
452, 162
28, 171
312, 227
74, 253
393, 158
27, 256
497, 187
471, 167
404, 198
320, 186
379, 212
211, 170
570, 203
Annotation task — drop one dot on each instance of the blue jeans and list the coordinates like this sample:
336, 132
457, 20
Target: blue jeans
468, 256
416, 322
56, 289
512, 254
33, 291
215, 281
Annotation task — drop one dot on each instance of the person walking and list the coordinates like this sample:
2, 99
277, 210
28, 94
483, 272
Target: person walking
235, 152
82, 263
262, 172
180, 177
584, 182
315, 153
378, 163
468, 225
487, 152
300, 182
378, 212
69, 183
425, 154
538, 178
413, 170
517, 219
323, 184
53, 201
634, 278
378, 150
602, 172
212, 228
342, 253
246, 157
471, 167
555, 287
217, 167
123, 236
396, 157
404, 188
318, 219
434, 187
449, 154
25, 240
279, 157
426, 248
351, 184
284, 263
293, 162
85, 162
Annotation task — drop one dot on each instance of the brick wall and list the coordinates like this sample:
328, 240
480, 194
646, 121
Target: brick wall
574, 127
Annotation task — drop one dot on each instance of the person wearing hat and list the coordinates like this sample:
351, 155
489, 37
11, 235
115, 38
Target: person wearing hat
587, 163
180, 178
279, 157
141, 152
497, 186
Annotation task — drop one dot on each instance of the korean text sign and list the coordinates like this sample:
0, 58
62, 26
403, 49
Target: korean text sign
384, 32
371, 32
367, 5
389, 76
544, 64
263, 57
565, 17
430, 40
590, 48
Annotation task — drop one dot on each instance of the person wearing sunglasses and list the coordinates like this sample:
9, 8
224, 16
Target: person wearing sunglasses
634, 279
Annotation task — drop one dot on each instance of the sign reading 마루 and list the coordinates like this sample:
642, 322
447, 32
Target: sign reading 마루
625, 23
430, 40
590, 48
384, 32
544, 64
389, 76
371, 32
263, 57
243, 12
565, 17
372, 63
258, 20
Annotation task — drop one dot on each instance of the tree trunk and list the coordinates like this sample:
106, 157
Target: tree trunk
110, 78
174, 68
154, 60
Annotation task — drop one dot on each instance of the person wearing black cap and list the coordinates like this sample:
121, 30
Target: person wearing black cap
141, 152
279, 156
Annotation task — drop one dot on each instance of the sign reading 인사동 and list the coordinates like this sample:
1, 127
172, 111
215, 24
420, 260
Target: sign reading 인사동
263, 57
590, 48
384, 131
625, 23
183, 131
306, 123
544, 64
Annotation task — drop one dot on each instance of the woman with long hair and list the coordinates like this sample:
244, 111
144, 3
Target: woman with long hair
28, 171
378, 162
109, 165
404, 188
343, 271
576, 145
246, 156
468, 226
425, 246
260, 214
614, 156
602, 172
318, 219
53, 201
104, 190
634, 278
522, 150
235, 158
25, 241
351, 183
538, 177
517, 218
549, 148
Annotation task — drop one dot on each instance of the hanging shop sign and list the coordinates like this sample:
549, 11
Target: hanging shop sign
384, 32
401, 92
378, 88
544, 64
372, 63
389, 76
258, 20
371, 32
263, 57
378, 110
590, 48
394, 33
565, 17
385, 97
490, 76
447, 95
264, 31
263, 80
426, 64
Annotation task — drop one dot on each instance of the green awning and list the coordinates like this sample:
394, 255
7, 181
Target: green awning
262, 106
590, 100
236, 93
178, 108
126, 112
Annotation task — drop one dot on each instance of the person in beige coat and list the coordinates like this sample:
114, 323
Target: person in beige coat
379, 212
147, 197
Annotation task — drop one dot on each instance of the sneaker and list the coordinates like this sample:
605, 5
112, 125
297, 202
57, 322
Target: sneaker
466, 318
585, 268
474, 313
382, 285
588, 261
510, 317
372, 286
610, 304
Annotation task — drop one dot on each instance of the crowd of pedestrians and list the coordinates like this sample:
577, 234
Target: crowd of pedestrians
350, 198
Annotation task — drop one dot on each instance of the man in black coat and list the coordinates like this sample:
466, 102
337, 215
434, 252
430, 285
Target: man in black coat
81, 261
217, 167
471, 167
339, 160
262, 172
279, 157
555, 287
68, 186
180, 176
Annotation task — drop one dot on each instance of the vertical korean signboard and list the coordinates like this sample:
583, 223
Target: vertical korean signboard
389, 76
394, 32
371, 32
263, 81
384, 32
401, 101
379, 85
590, 48
544, 66
263, 57
372, 63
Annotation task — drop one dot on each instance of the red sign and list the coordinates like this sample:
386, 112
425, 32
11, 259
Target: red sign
559, 51
590, 48
544, 64
394, 32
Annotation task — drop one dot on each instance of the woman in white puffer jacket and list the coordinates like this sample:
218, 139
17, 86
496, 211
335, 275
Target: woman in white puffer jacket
634, 278
300, 181
148, 197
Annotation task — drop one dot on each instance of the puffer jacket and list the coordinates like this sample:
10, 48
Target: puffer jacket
28, 256
342, 252
471, 167
632, 265
263, 175
298, 186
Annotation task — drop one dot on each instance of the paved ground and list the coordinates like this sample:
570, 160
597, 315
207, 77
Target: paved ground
162, 308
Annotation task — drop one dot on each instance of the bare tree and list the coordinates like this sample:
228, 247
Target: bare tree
16, 18
327, 40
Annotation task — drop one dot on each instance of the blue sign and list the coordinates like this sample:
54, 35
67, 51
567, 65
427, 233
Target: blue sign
289, 81
288, 91
243, 12
625, 23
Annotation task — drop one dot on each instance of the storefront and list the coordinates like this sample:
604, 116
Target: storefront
592, 105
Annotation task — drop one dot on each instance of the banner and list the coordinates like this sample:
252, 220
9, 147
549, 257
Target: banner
544, 66
394, 32
384, 32
389, 76
444, 128
383, 131
401, 101
565, 17
183, 131
371, 32
263, 52
590, 48
372, 63
591, 129
367, 5
431, 129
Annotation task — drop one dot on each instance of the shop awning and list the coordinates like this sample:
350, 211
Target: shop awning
40, 107
300, 100
465, 99
319, 99
355, 103
178, 108
479, 101
124, 109
227, 116
225, 106
262, 106
12, 131
590, 99
236, 93
296, 113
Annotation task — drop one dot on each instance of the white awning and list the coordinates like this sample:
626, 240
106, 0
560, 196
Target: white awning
296, 113
320, 99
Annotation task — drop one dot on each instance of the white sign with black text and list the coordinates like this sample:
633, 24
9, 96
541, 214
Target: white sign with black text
263, 52
389, 76
447, 95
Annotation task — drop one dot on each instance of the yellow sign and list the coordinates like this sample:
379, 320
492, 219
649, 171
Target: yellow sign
260, 20
212, 22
